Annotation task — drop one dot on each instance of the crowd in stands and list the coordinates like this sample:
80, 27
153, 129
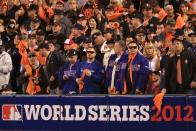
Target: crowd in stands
119, 47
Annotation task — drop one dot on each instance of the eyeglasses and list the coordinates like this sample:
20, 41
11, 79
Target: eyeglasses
90, 52
132, 47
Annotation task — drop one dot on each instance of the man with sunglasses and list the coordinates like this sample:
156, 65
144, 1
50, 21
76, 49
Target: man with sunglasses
90, 74
137, 71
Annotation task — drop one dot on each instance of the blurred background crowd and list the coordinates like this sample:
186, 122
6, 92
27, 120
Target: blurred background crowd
98, 46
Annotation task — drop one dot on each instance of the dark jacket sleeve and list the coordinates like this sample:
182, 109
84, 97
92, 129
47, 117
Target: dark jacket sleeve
98, 75
193, 57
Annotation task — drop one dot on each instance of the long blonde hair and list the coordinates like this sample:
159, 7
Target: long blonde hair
155, 52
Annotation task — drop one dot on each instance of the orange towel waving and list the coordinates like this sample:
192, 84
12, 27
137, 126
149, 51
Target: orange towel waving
42, 13
158, 100
180, 22
22, 46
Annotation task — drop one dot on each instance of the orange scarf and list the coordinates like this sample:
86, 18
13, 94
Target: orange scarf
131, 58
32, 88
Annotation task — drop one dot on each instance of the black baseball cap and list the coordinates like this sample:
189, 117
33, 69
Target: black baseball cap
94, 36
78, 26
72, 52
110, 42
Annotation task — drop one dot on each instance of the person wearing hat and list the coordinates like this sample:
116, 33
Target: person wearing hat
107, 54
40, 36
141, 38
53, 63
58, 35
170, 30
8, 35
33, 78
68, 44
77, 32
108, 34
67, 74
59, 5
81, 19
149, 20
180, 73
192, 40
150, 35
115, 70
5, 67
83, 47
99, 44
137, 21
91, 74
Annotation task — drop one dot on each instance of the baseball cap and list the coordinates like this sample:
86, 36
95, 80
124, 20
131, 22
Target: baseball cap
68, 42
147, 7
81, 17
11, 25
87, 40
110, 42
78, 26
72, 52
94, 36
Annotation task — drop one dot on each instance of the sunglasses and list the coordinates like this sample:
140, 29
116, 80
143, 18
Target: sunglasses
132, 47
90, 52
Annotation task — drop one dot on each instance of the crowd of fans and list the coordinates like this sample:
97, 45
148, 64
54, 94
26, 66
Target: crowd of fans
98, 46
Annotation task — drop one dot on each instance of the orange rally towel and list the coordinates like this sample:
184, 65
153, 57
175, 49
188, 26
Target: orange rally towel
31, 87
81, 85
158, 100
180, 22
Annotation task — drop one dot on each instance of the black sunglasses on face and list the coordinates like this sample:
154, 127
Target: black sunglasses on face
132, 47
90, 52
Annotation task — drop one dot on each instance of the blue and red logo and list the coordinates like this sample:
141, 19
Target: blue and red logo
12, 112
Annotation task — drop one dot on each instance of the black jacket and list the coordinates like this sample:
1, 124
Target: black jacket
53, 63
188, 66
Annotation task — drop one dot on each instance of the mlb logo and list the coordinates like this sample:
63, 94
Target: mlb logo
12, 112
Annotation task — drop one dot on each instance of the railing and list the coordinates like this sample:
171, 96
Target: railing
97, 113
